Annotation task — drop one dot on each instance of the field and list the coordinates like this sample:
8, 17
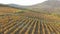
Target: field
4, 10
29, 23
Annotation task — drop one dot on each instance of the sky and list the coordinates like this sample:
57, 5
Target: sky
22, 2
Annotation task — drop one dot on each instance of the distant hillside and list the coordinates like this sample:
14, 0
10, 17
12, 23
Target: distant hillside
17, 6
49, 6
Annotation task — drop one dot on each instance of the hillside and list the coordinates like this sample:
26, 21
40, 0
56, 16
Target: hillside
49, 6
7, 9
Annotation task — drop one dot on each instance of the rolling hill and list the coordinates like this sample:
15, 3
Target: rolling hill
7, 9
49, 6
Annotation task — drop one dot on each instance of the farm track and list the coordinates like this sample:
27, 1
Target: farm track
27, 25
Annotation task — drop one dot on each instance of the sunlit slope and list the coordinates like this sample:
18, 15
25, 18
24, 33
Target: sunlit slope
29, 23
4, 10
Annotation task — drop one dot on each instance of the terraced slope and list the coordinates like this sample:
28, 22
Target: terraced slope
29, 23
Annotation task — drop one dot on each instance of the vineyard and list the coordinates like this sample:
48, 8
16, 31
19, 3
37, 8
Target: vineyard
29, 23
